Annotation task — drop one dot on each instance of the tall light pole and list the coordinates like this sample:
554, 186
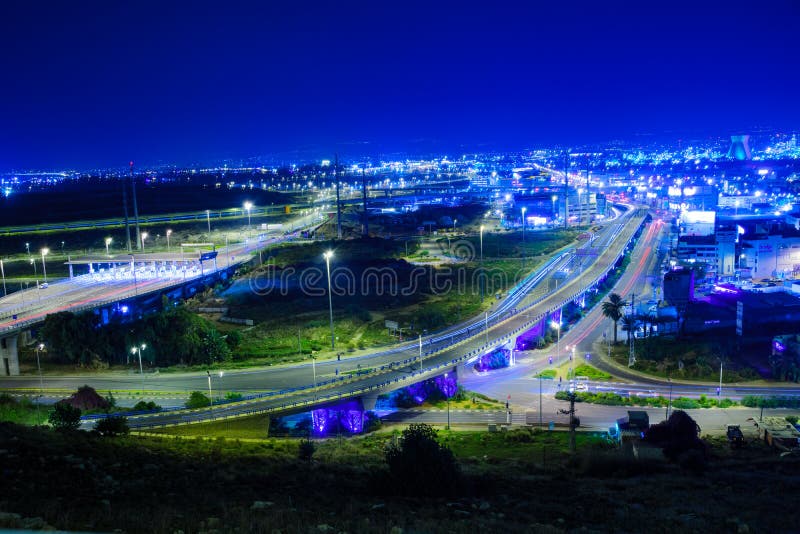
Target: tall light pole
138, 351
219, 389
208, 220
210, 395
719, 389
454, 225
557, 326
28, 248
39, 347
248, 206
420, 352
144, 236
328, 255
169, 232
555, 215
486, 325
523, 236
480, 274
448, 401
44, 251
3, 273
108, 242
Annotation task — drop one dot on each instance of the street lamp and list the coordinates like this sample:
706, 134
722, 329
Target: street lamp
169, 232
210, 396
248, 206
39, 347
28, 248
523, 236
580, 206
557, 326
481, 264
208, 220
554, 198
144, 236
138, 351
486, 325
328, 255
108, 242
454, 225
420, 352
44, 251
219, 390
3, 273
448, 400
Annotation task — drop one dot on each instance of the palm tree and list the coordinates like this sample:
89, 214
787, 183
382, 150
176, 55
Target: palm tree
612, 308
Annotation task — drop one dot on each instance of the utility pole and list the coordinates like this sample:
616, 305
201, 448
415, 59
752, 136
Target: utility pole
135, 210
588, 215
566, 189
573, 421
365, 228
125, 207
632, 353
338, 206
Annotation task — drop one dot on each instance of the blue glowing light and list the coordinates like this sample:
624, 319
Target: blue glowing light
496, 359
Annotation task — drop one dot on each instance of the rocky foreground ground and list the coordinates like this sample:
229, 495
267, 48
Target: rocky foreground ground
81, 481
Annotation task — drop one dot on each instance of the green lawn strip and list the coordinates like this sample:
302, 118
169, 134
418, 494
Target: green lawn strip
591, 372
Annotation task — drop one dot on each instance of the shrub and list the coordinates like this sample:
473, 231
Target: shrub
683, 403
419, 465
306, 450
113, 426
372, 422
233, 396
460, 394
65, 416
678, 436
792, 419
197, 400
146, 406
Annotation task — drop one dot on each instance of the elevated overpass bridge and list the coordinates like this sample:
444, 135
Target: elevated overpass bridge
449, 352
118, 284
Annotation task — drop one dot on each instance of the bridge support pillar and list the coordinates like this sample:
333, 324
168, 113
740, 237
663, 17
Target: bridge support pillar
9, 357
368, 401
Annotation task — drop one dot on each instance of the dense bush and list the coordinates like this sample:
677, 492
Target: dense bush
306, 450
679, 438
197, 400
112, 426
183, 337
65, 416
420, 466
146, 406
233, 396
752, 401
371, 422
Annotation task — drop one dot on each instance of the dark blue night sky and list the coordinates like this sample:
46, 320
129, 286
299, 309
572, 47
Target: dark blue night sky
98, 83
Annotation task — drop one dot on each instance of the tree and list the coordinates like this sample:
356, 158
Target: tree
197, 400
116, 425
65, 417
419, 465
612, 308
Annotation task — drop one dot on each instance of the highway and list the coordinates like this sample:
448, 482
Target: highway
291, 387
392, 368
31, 306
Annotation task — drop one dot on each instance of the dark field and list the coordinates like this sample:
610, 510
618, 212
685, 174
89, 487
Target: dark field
80, 481
102, 199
